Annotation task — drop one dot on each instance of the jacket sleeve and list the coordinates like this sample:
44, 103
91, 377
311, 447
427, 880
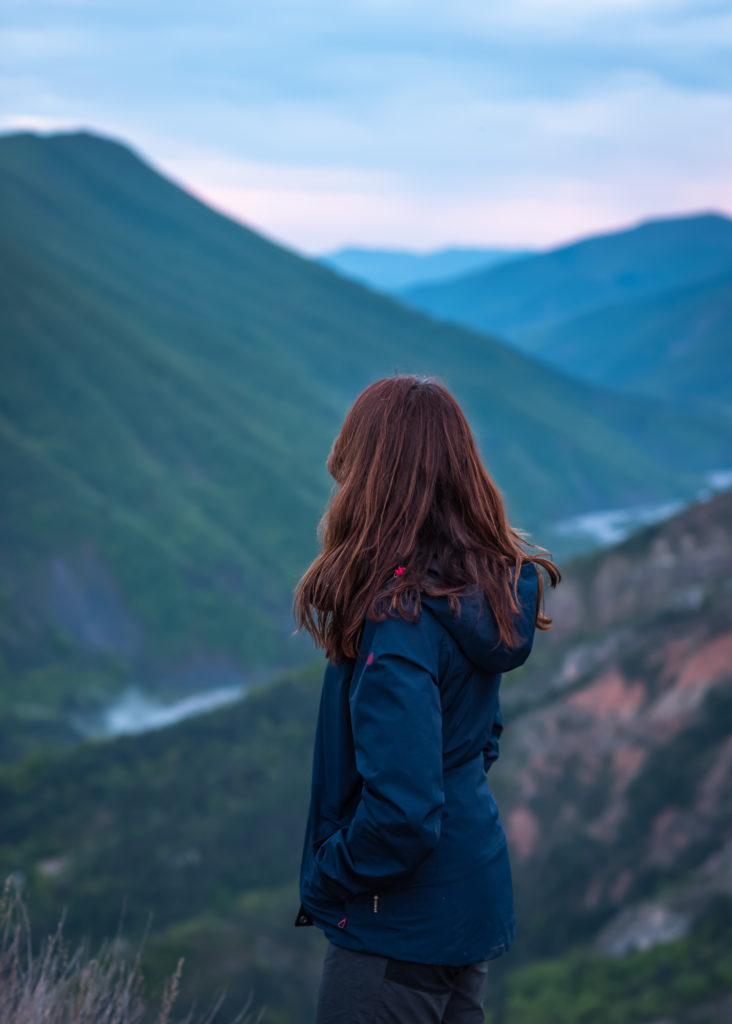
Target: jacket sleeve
396, 720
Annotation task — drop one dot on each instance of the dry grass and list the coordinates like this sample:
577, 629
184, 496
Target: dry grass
59, 986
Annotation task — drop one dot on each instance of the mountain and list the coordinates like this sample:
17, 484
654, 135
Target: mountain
617, 771
613, 780
171, 384
676, 344
390, 270
524, 300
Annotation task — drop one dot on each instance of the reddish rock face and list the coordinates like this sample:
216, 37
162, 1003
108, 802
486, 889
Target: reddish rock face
621, 885
610, 693
626, 764
616, 761
709, 665
523, 830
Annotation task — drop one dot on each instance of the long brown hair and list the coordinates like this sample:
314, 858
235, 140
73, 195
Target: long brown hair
413, 492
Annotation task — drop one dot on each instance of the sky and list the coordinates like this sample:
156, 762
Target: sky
395, 123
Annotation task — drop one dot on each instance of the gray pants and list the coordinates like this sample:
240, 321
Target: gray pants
362, 988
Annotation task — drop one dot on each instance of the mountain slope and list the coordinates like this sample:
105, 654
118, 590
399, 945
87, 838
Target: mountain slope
535, 294
673, 345
613, 783
171, 384
618, 771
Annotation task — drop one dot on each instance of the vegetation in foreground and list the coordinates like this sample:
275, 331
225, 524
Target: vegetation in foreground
80, 987
688, 980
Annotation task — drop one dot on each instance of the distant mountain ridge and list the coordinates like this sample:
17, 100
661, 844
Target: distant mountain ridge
541, 291
171, 384
391, 270
644, 312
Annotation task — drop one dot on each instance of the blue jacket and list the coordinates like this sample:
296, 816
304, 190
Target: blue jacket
405, 853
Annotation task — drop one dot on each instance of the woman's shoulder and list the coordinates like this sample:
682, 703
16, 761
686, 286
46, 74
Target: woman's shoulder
412, 635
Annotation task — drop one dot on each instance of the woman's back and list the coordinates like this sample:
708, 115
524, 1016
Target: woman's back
405, 854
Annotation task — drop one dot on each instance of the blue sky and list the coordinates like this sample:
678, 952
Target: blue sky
395, 122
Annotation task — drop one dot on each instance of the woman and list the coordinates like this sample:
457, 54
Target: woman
421, 597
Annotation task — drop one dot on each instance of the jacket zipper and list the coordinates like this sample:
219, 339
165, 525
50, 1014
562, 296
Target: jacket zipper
375, 903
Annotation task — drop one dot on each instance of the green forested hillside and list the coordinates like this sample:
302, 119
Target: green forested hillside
170, 384
522, 300
195, 830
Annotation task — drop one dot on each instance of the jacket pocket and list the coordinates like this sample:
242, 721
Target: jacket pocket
317, 843
319, 886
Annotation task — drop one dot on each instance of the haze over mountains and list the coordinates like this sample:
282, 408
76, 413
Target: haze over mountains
391, 270
171, 384
646, 311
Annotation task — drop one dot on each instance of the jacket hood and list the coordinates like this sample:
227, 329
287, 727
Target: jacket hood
475, 629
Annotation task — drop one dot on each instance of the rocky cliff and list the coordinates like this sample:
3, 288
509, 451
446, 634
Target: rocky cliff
616, 760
